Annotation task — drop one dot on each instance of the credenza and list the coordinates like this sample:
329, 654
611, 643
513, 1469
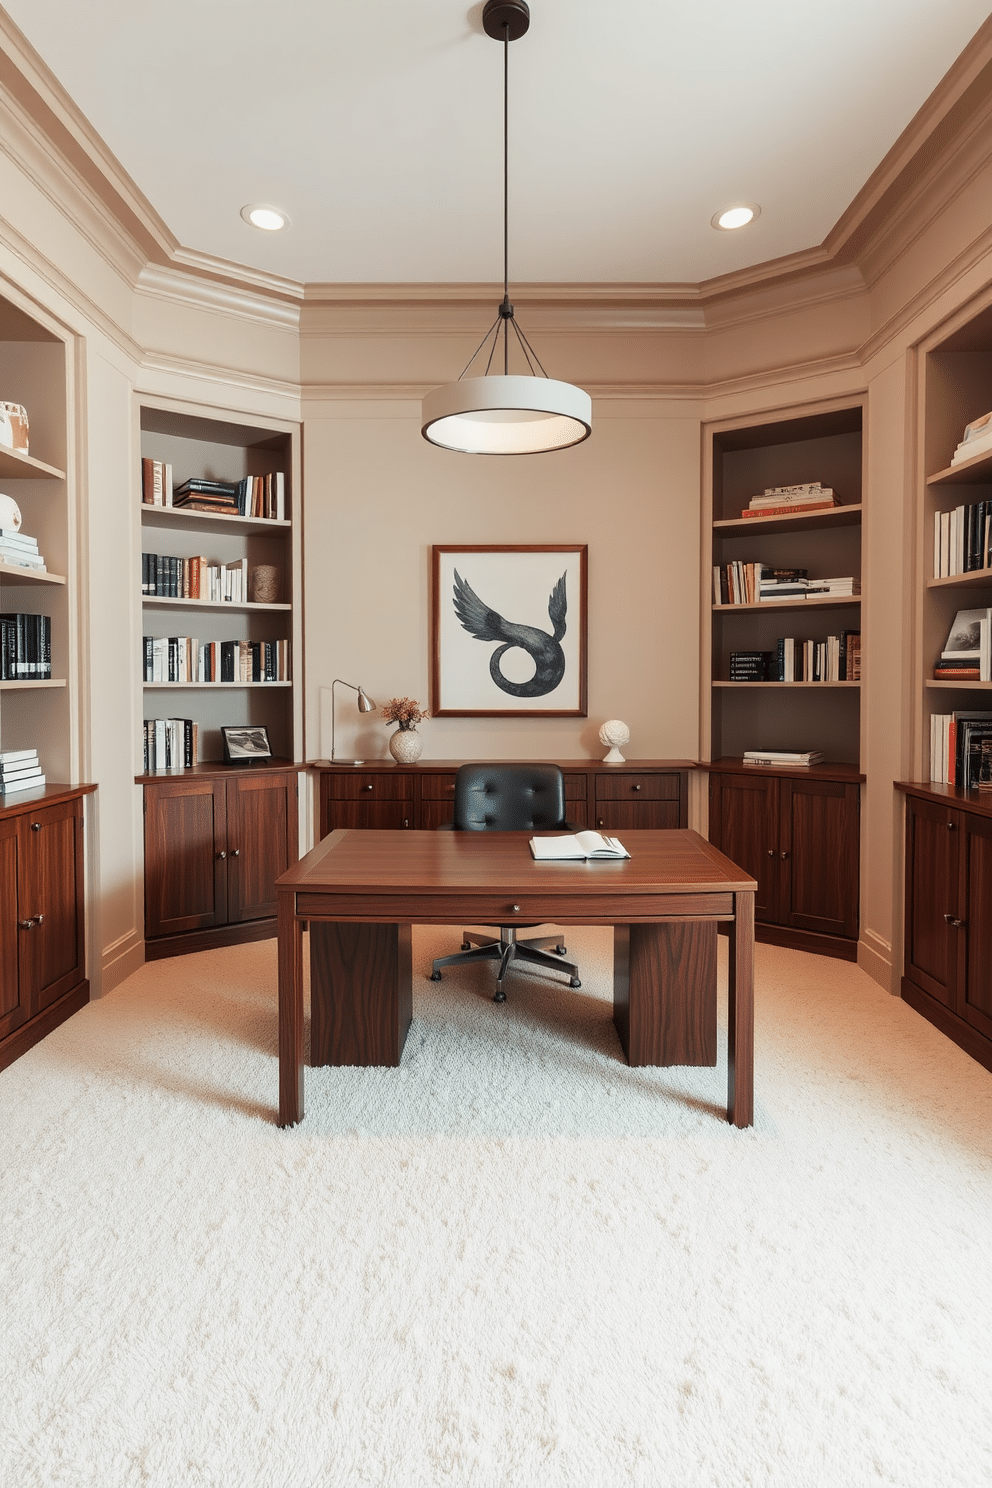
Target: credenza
378, 794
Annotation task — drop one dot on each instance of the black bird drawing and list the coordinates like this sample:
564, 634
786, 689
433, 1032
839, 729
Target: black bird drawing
486, 625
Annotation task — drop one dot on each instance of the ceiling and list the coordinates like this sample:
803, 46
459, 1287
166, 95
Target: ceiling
377, 127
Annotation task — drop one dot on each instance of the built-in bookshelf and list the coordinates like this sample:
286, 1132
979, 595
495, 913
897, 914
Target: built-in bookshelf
35, 373
222, 447
743, 459
955, 371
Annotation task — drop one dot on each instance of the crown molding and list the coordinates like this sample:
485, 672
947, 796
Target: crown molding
182, 287
230, 378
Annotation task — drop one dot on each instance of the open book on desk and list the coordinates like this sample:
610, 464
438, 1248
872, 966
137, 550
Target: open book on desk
582, 845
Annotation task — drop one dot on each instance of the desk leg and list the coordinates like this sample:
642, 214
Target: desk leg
290, 931
740, 1015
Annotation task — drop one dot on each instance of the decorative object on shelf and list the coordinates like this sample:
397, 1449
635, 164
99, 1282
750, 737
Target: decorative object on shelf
10, 514
614, 733
14, 427
405, 745
265, 583
500, 414
527, 604
245, 744
365, 705
976, 440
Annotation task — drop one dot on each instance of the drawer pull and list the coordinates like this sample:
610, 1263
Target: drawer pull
221, 855
958, 924
600, 822
771, 852
635, 787
366, 787
38, 919
36, 826
515, 908
951, 826
406, 821
783, 854
235, 852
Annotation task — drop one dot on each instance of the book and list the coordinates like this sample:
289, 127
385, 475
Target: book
17, 756
784, 756
584, 845
29, 783
787, 510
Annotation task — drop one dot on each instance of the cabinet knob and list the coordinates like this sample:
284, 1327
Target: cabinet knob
235, 852
26, 924
771, 852
515, 908
600, 822
36, 826
221, 855
784, 854
406, 821
958, 924
635, 787
951, 826
366, 787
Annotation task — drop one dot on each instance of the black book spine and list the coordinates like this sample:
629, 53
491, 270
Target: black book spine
227, 655
46, 647
256, 662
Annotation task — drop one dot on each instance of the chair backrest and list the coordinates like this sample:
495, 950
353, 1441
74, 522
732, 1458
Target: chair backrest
509, 798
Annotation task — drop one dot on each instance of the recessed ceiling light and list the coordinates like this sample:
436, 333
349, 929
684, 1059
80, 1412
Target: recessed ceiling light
738, 216
269, 219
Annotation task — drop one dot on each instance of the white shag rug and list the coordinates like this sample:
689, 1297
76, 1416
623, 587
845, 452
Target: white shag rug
512, 1261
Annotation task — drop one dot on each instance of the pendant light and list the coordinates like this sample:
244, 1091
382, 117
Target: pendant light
500, 414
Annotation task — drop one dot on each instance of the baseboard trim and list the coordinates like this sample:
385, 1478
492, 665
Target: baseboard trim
24, 1038
949, 1024
807, 940
206, 940
118, 965
878, 967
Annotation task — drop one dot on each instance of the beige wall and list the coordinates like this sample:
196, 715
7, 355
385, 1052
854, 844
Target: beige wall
377, 497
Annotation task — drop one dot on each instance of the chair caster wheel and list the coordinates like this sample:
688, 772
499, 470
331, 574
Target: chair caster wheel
435, 976
500, 996
575, 982
561, 950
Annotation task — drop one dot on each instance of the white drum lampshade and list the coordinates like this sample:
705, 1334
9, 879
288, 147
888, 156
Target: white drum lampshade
507, 415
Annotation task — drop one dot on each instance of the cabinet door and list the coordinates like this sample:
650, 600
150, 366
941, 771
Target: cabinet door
13, 1005
185, 878
975, 999
820, 855
50, 894
262, 837
744, 825
932, 879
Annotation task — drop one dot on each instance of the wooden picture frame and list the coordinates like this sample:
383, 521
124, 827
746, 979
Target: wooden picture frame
509, 630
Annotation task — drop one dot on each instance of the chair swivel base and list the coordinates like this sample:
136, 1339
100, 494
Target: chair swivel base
506, 948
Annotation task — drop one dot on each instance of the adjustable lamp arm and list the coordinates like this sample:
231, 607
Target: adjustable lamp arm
365, 705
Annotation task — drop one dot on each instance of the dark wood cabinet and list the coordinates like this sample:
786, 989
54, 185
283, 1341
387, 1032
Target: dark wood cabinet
799, 836
216, 840
42, 937
947, 970
637, 793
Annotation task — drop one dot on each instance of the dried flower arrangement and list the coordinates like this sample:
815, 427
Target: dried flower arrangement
405, 711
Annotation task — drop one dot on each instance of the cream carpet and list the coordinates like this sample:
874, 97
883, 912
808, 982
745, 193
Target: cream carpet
513, 1261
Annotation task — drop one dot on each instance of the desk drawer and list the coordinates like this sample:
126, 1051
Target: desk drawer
630, 787
437, 787
491, 909
368, 787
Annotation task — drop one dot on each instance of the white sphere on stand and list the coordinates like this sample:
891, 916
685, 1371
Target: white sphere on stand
614, 733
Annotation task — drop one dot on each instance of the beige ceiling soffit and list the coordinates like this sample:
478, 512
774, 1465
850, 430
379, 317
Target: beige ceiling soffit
485, 294
184, 288
69, 291
963, 88
773, 271
41, 95
226, 377
975, 256
843, 364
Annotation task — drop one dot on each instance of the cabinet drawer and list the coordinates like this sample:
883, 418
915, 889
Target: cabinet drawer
576, 788
655, 816
437, 787
360, 787
629, 787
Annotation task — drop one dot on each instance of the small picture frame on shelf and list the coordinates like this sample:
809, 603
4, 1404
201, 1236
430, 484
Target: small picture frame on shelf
245, 743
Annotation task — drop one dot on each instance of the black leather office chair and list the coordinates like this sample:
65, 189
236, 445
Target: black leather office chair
509, 798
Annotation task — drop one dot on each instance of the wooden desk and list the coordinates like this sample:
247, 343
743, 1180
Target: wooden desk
360, 891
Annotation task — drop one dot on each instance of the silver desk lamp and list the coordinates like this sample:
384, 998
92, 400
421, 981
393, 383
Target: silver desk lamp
365, 705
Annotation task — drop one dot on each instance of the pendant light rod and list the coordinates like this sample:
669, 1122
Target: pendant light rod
506, 309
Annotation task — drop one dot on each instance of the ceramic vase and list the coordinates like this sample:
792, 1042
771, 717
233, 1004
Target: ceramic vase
405, 745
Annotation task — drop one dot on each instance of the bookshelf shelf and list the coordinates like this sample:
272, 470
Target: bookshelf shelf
12, 573
178, 517
47, 684
768, 606
826, 517
940, 682
15, 465
974, 472
979, 578
784, 686
210, 686
161, 602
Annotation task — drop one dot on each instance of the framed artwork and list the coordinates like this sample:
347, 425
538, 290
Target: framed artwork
245, 743
508, 631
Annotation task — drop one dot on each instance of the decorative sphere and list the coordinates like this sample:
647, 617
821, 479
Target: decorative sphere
613, 733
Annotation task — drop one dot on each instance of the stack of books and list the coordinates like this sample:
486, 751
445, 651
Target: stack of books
750, 666
776, 501
198, 494
783, 583
976, 440
19, 549
783, 757
170, 743
967, 653
25, 648
20, 770
254, 496
819, 587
